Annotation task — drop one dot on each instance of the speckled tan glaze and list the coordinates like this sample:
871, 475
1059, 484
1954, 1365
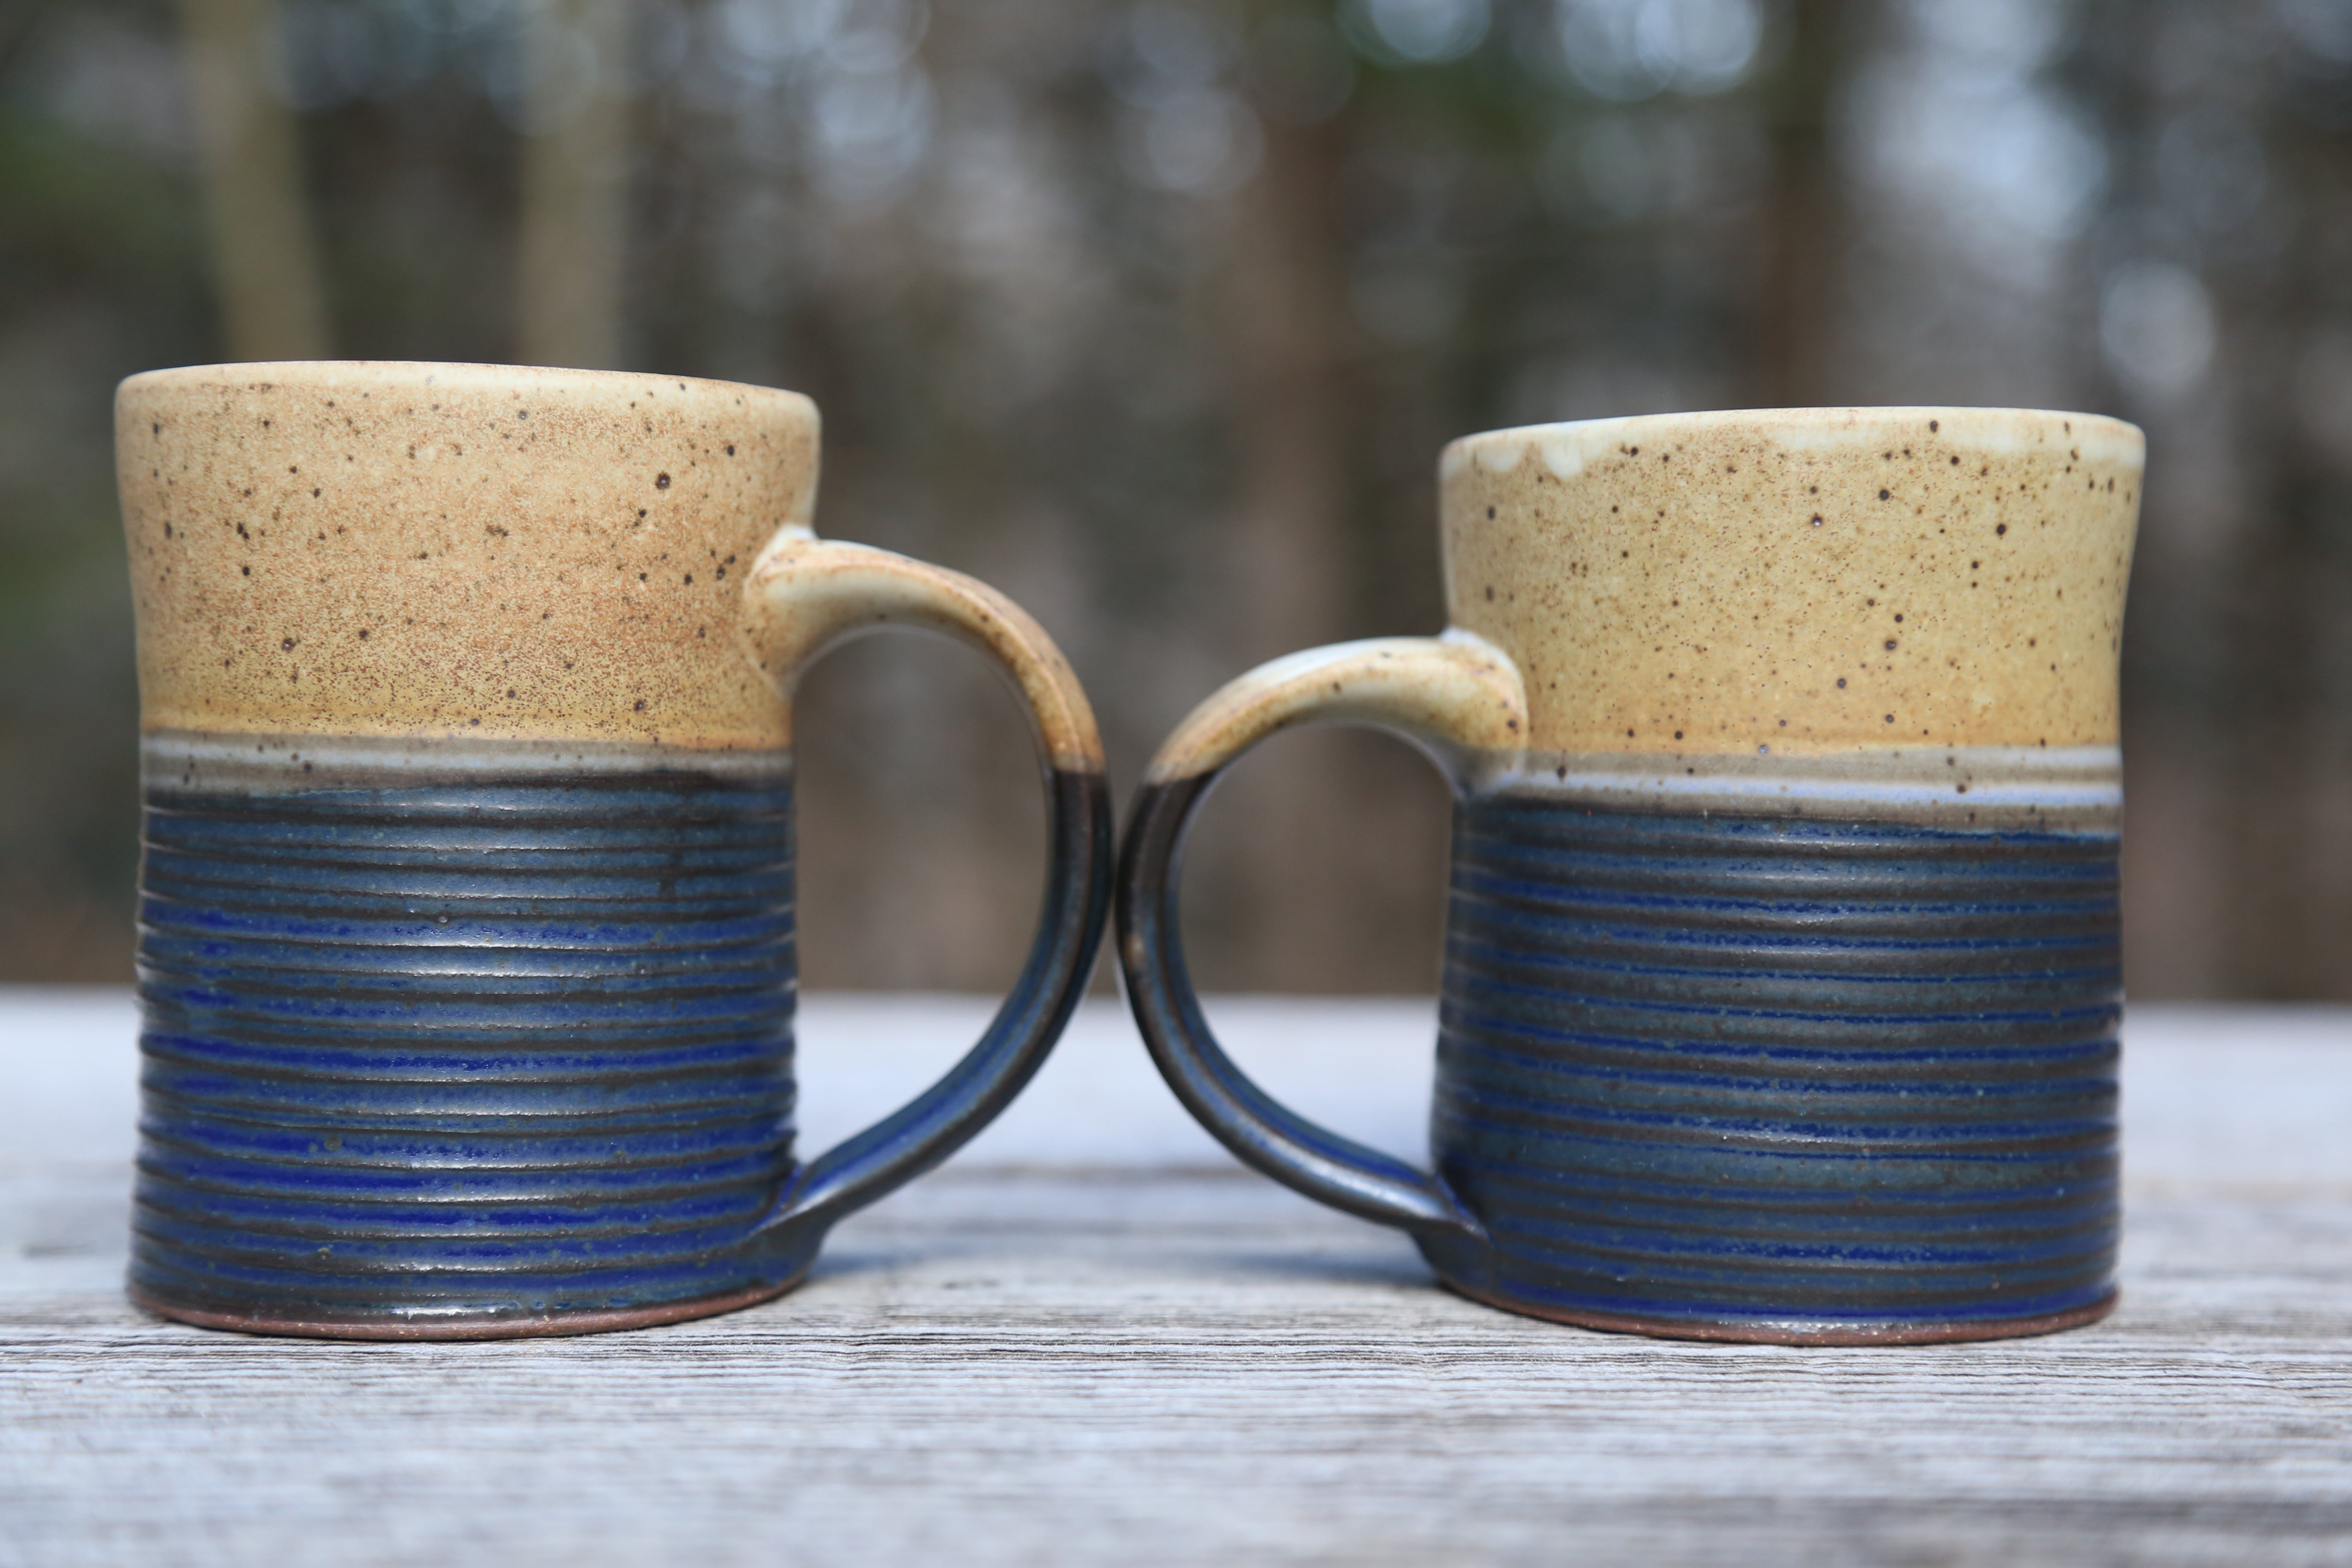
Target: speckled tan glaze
1899, 612
462, 550
1701, 584
499, 553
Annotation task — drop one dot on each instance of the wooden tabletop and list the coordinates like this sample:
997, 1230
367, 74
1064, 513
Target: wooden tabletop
1093, 1339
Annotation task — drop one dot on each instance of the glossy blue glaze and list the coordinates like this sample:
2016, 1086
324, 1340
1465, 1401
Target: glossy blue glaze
1774, 1070
1722, 1076
476, 1049
439, 1048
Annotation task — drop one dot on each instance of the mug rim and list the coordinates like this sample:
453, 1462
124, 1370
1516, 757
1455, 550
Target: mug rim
1828, 427
469, 376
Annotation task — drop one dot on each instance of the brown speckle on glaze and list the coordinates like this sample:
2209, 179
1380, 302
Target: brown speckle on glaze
488, 565
1737, 593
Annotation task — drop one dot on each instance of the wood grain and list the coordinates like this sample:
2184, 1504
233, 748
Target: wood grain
1033, 1361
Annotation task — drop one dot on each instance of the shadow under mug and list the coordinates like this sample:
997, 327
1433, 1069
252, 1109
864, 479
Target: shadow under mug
1782, 986
465, 942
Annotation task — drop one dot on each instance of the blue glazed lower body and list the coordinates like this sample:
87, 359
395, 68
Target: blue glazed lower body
468, 1055
1778, 1078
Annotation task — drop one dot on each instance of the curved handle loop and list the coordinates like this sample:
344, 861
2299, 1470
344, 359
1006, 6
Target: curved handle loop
1456, 697
807, 595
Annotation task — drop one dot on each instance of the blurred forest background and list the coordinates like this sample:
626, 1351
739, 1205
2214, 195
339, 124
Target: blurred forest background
1156, 312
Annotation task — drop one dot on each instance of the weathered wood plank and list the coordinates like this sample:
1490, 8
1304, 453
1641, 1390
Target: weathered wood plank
1025, 1360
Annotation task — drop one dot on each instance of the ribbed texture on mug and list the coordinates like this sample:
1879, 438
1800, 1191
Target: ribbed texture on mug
1769, 1070
505, 1046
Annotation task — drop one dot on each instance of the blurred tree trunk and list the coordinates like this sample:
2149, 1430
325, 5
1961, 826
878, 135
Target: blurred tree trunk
2287, 731
1285, 335
1285, 338
574, 182
264, 263
1803, 239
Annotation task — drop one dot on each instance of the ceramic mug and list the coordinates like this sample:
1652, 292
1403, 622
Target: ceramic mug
465, 942
1782, 985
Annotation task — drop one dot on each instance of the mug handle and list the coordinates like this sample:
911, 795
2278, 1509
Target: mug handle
807, 595
1452, 697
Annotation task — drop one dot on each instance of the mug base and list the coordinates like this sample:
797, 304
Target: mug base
472, 1326
1789, 1333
